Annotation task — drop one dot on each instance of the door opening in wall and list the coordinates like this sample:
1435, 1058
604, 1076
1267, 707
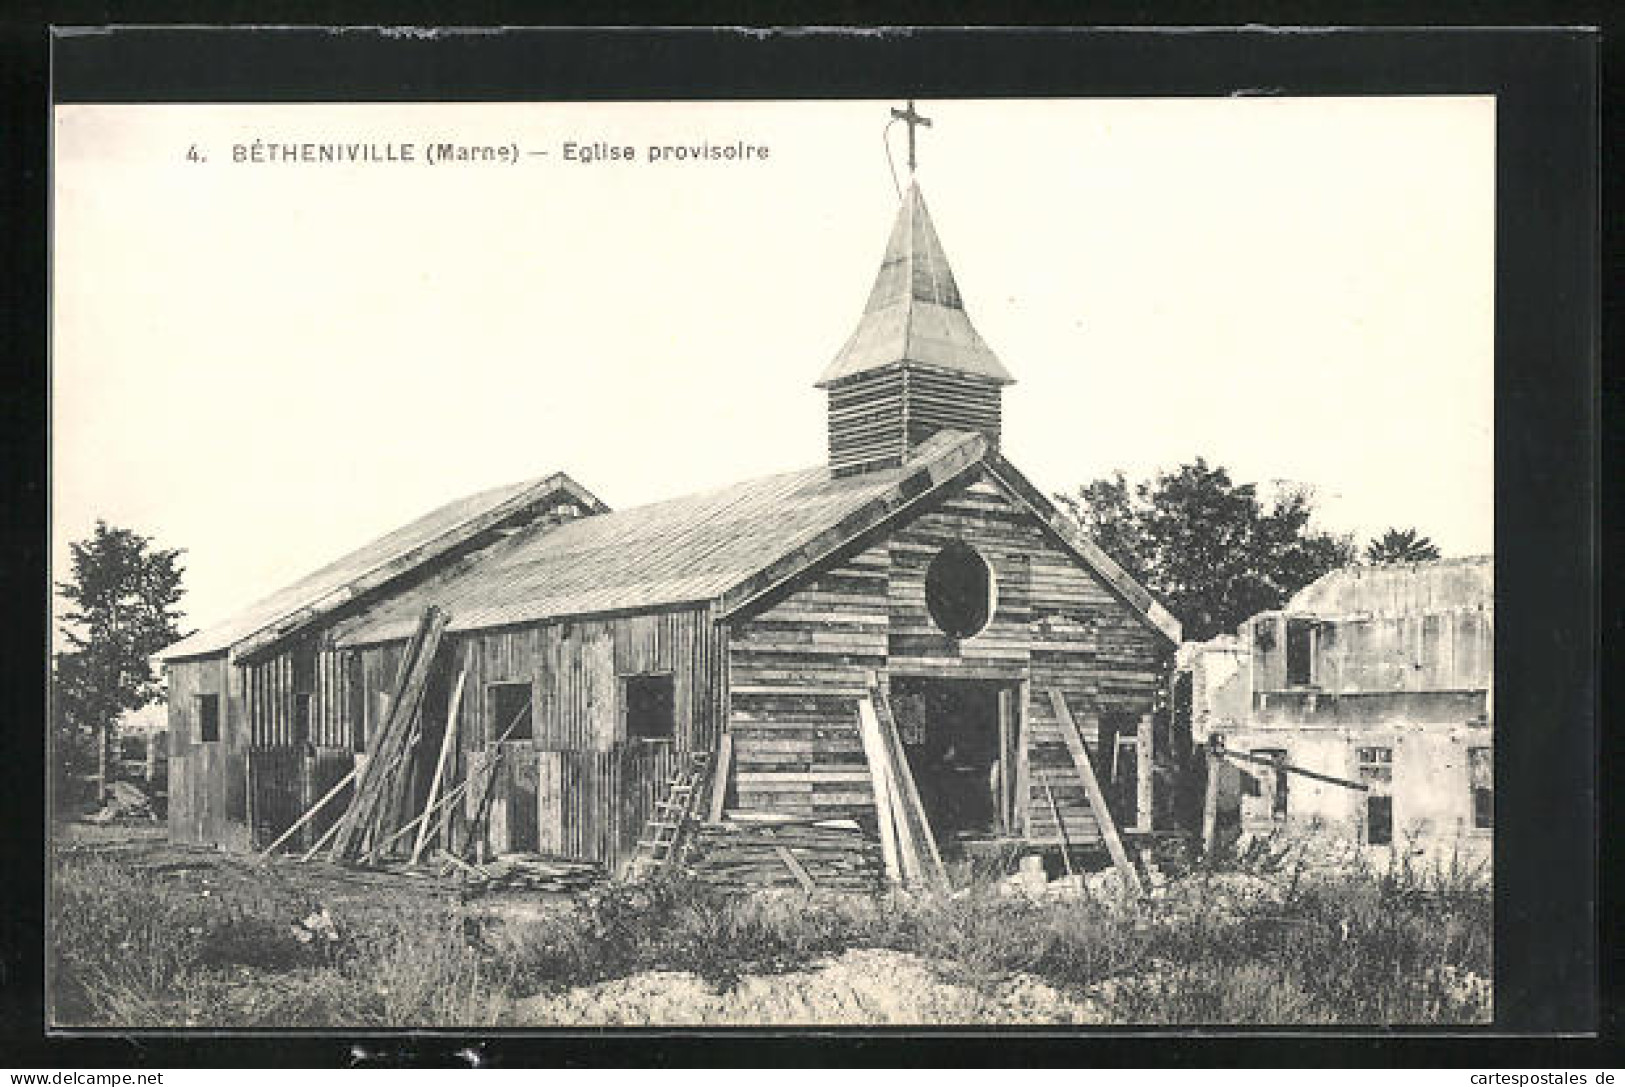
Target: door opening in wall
959, 740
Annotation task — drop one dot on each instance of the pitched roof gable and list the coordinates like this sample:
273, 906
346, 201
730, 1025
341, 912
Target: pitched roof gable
730, 547
378, 563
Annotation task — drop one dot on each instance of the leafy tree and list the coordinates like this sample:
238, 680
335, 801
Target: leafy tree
1210, 549
122, 594
1400, 545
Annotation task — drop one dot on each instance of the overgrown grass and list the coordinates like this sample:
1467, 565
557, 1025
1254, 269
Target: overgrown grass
1398, 945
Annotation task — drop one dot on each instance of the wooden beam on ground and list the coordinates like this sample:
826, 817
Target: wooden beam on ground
874, 751
719, 776
1091, 786
446, 742
797, 869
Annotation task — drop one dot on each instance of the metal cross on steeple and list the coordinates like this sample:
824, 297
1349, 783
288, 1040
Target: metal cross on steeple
913, 118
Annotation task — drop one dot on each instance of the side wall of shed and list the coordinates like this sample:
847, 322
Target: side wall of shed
579, 787
208, 788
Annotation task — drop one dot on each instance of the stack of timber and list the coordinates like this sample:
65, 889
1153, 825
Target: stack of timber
908, 846
382, 788
756, 850
529, 872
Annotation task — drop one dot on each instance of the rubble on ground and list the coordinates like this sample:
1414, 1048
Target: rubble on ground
123, 800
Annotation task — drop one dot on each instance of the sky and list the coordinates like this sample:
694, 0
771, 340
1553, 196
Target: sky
270, 363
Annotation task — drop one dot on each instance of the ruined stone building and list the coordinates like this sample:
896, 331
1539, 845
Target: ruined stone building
1376, 675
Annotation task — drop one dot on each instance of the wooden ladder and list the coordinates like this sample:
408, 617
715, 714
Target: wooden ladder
663, 834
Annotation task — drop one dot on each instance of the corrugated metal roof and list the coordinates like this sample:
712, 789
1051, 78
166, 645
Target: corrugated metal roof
915, 313
433, 534
685, 550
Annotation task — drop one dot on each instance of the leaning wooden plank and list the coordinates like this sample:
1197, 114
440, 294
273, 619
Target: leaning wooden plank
422, 820
913, 810
310, 813
719, 777
321, 842
796, 868
1060, 826
874, 749
1097, 798
446, 741
1276, 764
374, 790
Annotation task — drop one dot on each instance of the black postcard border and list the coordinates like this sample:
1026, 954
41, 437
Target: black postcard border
1547, 448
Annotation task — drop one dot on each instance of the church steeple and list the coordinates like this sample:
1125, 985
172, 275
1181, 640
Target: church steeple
915, 364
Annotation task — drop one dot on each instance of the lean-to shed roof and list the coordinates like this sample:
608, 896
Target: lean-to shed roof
402, 551
686, 550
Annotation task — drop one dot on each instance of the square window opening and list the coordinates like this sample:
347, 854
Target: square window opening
651, 708
510, 711
1279, 778
208, 718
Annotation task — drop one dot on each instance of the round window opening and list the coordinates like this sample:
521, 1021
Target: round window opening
959, 591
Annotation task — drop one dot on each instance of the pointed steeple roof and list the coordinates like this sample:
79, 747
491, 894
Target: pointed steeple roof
915, 313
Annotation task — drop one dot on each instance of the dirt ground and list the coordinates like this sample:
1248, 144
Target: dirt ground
862, 987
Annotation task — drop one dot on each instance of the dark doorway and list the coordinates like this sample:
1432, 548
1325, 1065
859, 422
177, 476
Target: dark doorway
957, 749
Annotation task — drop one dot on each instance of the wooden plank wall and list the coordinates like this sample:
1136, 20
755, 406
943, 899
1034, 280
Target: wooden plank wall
578, 788
208, 785
797, 666
589, 804
943, 401
866, 421
271, 688
795, 674
574, 668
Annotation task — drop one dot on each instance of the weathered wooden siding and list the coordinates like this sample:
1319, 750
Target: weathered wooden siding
798, 666
208, 789
578, 787
795, 673
274, 683
589, 804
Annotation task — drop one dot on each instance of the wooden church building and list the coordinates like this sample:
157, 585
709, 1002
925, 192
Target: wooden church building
598, 650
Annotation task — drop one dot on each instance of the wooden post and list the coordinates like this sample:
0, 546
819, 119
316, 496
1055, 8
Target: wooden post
1091, 786
1143, 779
719, 776
1005, 794
446, 742
1210, 805
1024, 807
